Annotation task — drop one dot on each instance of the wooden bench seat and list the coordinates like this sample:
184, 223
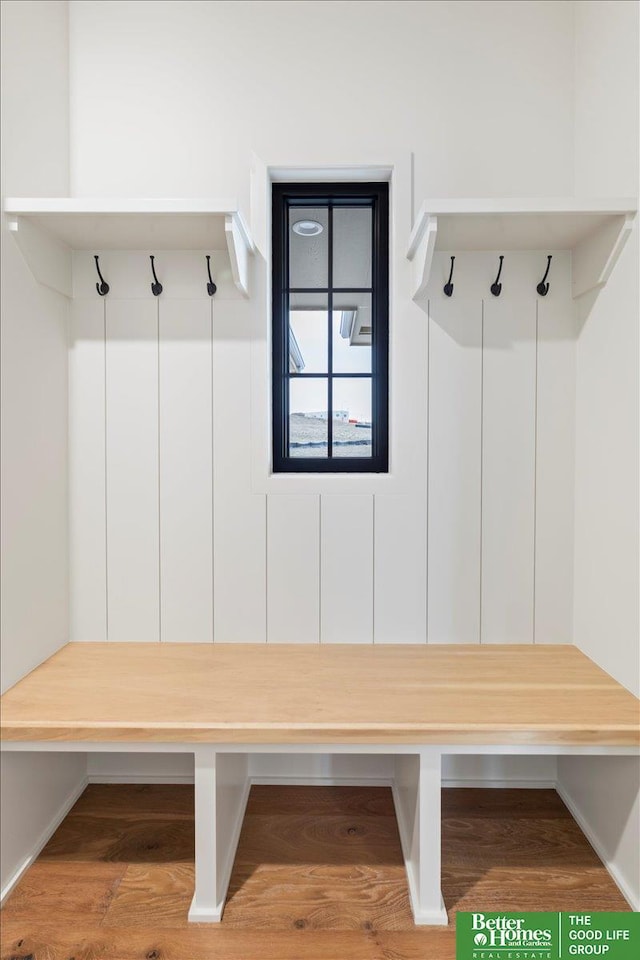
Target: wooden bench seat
222, 702
237, 693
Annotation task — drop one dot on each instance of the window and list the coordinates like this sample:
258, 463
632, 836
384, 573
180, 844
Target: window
330, 327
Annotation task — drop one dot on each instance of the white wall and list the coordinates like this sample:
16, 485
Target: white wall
35, 104
606, 98
605, 794
34, 413
175, 103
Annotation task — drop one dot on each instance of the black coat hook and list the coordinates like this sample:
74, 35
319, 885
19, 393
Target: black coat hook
448, 287
543, 288
496, 287
103, 286
211, 287
156, 286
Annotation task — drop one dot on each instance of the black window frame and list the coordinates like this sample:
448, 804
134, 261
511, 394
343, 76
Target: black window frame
376, 196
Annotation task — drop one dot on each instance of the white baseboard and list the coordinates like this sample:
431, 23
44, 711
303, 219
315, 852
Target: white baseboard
388, 782
478, 782
323, 781
43, 839
491, 784
614, 873
137, 778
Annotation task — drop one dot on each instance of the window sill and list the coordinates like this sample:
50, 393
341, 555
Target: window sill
331, 483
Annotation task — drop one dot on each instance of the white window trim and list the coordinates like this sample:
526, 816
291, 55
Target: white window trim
403, 477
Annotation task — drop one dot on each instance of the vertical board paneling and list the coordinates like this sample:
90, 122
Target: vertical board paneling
455, 428
293, 565
132, 470
555, 461
346, 568
87, 494
186, 463
508, 471
239, 516
400, 575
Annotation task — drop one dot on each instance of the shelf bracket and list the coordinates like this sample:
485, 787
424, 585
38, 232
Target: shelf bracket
48, 261
595, 257
240, 249
421, 249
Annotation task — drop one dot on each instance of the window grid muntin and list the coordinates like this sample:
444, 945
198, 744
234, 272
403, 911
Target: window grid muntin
330, 291
376, 198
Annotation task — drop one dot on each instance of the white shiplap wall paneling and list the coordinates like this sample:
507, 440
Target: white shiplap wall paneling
408, 346
400, 516
346, 571
508, 470
133, 589
87, 480
294, 552
293, 568
400, 574
186, 464
239, 516
555, 463
454, 497
183, 274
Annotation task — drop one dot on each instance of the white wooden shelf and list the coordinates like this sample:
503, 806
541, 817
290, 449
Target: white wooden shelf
43, 223
594, 230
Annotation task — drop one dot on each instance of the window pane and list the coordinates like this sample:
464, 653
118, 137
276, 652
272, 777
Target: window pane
352, 247
308, 333
330, 328
351, 417
308, 429
351, 324
308, 256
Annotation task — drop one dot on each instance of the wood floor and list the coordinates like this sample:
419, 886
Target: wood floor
318, 876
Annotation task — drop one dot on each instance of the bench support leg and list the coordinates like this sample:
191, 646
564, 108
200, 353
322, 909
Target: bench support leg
205, 907
431, 908
416, 791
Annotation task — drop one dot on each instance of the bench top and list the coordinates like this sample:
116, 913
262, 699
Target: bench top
347, 694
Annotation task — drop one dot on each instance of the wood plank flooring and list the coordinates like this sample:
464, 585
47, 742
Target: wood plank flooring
318, 876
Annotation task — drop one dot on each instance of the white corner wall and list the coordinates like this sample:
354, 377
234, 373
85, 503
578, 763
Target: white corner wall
603, 793
36, 789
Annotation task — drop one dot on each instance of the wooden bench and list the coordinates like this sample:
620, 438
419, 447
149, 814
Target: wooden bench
222, 702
